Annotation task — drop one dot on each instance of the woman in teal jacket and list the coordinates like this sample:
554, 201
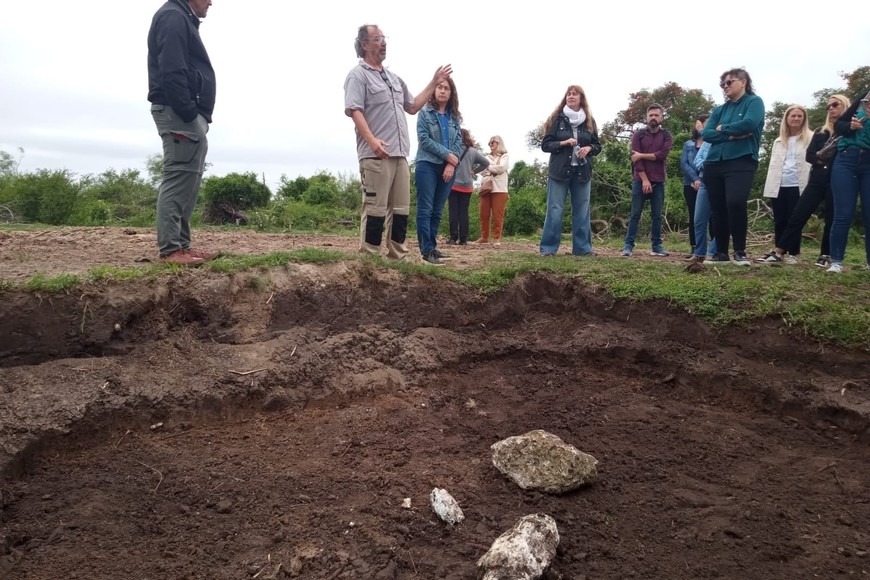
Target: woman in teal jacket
734, 133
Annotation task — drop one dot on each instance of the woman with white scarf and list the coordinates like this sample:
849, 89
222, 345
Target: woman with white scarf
571, 139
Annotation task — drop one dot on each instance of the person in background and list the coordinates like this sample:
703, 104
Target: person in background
703, 214
439, 139
787, 176
571, 139
850, 179
493, 204
818, 190
649, 153
691, 177
181, 89
734, 133
376, 99
471, 162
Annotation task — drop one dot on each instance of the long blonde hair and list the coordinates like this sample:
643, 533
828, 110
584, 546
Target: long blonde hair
845, 103
584, 104
805, 134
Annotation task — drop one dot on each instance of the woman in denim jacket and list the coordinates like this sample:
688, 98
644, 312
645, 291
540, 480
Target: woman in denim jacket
571, 139
439, 146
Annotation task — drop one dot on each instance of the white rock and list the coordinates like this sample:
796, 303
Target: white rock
445, 506
406, 503
524, 552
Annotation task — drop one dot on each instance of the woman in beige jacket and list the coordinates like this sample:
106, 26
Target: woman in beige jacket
788, 172
495, 202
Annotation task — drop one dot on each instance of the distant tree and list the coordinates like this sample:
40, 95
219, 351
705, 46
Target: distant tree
681, 107
857, 82
225, 199
154, 168
292, 189
46, 196
524, 175
8, 164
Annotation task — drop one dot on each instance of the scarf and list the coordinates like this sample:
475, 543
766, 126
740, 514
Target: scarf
576, 118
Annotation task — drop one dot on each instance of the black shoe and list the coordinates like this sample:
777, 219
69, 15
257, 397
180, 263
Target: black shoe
432, 259
741, 260
440, 255
452, 242
720, 259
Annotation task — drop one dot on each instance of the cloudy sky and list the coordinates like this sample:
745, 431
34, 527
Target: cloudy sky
73, 78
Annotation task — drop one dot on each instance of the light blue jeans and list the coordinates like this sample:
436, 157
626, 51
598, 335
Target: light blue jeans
703, 212
581, 228
657, 202
432, 194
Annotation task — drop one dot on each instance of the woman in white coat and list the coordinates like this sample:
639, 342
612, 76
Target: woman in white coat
788, 172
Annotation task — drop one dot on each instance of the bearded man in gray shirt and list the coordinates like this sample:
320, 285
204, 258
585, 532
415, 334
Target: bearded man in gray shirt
377, 100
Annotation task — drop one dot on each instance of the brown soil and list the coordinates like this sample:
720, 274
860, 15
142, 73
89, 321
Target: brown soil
270, 424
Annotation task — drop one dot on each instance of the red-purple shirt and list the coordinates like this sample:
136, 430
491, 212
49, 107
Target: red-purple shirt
660, 143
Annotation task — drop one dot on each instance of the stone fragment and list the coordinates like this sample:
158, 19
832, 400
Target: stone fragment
541, 461
524, 552
445, 506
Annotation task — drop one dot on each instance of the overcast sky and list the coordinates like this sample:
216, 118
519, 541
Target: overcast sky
73, 78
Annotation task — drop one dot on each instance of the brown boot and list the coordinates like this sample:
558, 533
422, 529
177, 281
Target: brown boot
206, 255
182, 258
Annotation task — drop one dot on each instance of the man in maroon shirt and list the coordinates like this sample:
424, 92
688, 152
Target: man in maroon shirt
649, 152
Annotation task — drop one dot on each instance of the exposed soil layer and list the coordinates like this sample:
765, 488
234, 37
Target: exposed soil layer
270, 425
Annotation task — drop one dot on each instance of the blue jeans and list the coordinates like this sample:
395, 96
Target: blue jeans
432, 193
581, 229
850, 178
656, 200
703, 213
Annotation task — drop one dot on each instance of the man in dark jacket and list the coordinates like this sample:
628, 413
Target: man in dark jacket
181, 89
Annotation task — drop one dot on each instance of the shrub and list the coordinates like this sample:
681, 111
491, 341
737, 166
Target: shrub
224, 197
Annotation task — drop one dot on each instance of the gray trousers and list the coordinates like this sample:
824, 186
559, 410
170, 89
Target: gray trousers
184, 148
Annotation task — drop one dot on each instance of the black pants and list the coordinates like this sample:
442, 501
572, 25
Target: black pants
691, 196
783, 205
815, 193
457, 207
728, 184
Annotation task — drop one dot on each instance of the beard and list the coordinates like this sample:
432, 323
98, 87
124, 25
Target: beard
653, 124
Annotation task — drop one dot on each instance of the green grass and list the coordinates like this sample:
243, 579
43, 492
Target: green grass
833, 308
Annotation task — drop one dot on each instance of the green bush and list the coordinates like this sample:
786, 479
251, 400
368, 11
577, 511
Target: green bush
46, 196
526, 210
297, 215
223, 196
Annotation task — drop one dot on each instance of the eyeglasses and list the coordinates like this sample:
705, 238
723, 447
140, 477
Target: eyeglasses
727, 83
377, 39
493, 142
832, 106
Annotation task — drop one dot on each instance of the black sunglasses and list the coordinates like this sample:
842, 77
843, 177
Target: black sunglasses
832, 106
727, 83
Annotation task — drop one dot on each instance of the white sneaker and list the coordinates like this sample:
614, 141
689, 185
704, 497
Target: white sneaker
836, 268
789, 259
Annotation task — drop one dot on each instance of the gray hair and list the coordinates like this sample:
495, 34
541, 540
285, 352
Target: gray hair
361, 36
